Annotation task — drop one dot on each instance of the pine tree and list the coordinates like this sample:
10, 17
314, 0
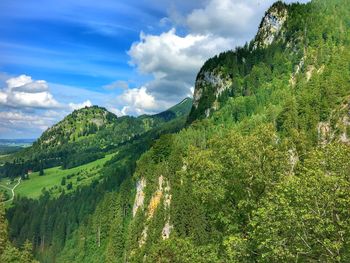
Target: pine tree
3, 227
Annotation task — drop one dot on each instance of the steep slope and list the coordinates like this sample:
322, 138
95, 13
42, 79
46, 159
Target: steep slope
252, 179
53, 219
241, 72
8, 253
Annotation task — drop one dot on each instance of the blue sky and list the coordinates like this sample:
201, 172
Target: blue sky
132, 57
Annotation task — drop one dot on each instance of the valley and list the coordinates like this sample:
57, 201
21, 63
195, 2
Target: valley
53, 178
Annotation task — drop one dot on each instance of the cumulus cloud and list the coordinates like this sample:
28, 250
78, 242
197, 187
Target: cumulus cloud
224, 18
136, 101
163, 54
16, 122
27, 106
22, 91
173, 59
77, 106
24, 83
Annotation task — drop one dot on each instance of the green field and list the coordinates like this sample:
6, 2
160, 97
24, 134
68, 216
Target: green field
8, 183
52, 178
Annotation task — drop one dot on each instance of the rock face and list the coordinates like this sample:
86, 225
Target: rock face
163, 194
337, 128
140, 195
271, 25
210, 84
212, 81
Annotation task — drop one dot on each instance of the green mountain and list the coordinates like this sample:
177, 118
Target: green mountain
79, 124
86, 135
97, 125
259, 174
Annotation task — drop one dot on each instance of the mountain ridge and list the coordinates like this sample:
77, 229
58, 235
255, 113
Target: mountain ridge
90, 132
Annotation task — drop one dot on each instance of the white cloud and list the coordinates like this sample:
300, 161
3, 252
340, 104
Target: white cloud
77, 106
14, 121
3, 97
165, 53
36, 100
22, 91
225, 17
18, 81
173, 61
136, 101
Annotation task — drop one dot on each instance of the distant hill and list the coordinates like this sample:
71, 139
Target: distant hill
86, 135
8, 146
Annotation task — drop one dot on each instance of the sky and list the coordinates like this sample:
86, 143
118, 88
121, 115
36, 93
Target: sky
132, 57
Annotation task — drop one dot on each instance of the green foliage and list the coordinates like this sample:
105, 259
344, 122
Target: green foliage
306, 217
250, 183
89, 134
8, 253
66, 219
263, 179
182, 251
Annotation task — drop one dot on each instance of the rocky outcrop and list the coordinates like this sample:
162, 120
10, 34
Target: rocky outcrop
338, 127
271, 25
212, 84
161, 194
212, 81
325, 134
140, 195
215, 79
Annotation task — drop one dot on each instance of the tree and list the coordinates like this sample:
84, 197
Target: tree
8, 253
69, 186
3, 226
63, 181
41, 172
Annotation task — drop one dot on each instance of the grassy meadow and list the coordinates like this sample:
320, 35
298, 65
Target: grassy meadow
52, 179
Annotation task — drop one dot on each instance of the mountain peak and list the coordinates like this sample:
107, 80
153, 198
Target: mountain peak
81, 122
217, 79
271, 25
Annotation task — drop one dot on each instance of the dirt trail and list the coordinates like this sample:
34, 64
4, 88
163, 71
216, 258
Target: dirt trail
12, 190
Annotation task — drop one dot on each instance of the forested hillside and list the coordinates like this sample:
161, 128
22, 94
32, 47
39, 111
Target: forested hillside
84, 136
260, 174
8, 253
51, 220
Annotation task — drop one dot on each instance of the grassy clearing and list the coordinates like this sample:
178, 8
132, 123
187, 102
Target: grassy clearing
52, 178
5, 189
8, 183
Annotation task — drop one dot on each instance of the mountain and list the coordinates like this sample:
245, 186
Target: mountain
258, 174
89, 121
86, 135
78, 124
